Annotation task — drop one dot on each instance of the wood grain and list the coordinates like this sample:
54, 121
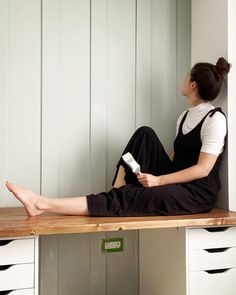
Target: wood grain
14, 222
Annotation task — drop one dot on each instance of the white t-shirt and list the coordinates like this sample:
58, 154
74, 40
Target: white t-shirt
213, 129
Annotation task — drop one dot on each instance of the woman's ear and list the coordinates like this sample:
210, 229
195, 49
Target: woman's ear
193, 85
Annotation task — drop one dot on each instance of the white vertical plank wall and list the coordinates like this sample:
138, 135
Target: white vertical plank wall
51, 96
170, 61
183, 49
50, 138
66, 131
4, 28
98, 164
99, 93
164, 69
232, 103
143, 63
74, 137
20, 33
121, 79
77, 77
207, 48
121, 272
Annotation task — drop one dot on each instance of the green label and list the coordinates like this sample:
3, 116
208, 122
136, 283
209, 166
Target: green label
112, 245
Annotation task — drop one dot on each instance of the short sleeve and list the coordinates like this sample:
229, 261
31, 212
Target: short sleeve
213, 134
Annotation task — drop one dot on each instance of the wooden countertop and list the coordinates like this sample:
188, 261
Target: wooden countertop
15, 223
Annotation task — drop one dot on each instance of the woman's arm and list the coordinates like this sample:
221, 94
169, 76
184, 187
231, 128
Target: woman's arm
203, 167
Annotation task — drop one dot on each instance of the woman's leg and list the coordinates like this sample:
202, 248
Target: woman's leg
148, 151
120, 177
36, 204
132, 200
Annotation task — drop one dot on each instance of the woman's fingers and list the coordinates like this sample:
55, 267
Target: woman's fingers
147, 180
144, 179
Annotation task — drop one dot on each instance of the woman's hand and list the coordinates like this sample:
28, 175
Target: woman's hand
148, 180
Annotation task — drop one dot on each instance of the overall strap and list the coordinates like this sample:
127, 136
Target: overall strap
211, 112
216, 110
182, 121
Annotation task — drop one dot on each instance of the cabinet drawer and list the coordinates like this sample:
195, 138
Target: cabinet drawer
18, 292
17, 276
16, 251
212, 259
206, 238
204, 283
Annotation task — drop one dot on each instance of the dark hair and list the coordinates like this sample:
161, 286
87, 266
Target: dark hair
209, 78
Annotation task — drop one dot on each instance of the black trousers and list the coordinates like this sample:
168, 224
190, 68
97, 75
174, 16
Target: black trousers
133, 199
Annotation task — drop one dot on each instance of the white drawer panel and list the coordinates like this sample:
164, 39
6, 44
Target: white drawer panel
19, 292
203, 283
17, 276
203, 260
204, 239
16, 251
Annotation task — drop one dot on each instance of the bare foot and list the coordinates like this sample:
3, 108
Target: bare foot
29, 199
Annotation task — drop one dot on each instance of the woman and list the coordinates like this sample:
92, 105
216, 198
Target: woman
188, 183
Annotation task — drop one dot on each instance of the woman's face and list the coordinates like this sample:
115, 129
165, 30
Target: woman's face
186, 85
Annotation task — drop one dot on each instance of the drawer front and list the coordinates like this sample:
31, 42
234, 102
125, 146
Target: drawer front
18, 292
203, 283
207, 260
212, 238
16, 251
17, 276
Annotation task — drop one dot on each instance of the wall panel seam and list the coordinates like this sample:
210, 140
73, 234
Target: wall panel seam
90, 92
90, 131
7, 93
151, 53
41, 98
136, 60
177, 53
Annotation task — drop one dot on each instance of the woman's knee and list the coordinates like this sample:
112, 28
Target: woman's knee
145, 130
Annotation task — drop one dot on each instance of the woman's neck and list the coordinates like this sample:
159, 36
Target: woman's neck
195, 100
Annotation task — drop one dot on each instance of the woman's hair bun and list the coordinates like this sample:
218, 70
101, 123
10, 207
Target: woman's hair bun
222, 66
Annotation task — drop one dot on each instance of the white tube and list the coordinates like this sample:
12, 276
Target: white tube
130, 161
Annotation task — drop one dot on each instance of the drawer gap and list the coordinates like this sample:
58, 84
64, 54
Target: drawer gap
6, 292
213, 271
215, 250
216, 229
4, 243
5, 267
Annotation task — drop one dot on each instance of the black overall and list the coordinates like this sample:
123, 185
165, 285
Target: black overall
133, 199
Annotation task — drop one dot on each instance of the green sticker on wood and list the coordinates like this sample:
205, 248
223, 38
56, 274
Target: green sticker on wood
112, 245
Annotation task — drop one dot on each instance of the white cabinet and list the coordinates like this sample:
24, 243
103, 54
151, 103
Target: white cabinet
211, 254
19, 266
217, 237
16, 251
212, 283
220, 258
189, 261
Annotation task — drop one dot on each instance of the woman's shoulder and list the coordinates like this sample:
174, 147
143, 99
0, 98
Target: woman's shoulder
217, 121
213, 132
217, 114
